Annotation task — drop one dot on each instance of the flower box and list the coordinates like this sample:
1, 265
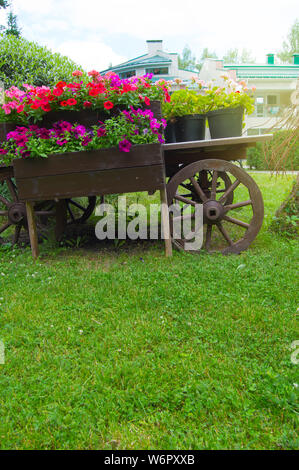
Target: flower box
5, 128
90, 173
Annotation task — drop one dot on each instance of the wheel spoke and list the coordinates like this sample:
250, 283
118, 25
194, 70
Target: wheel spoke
184, 217
70, 201
17, 234
70, 212
178, 197
3, 213
236, 221
214, 185
45, 213
208, 236
12, 190
229, 190
4, 227
230, 207
198, 189
5, 201
224, 233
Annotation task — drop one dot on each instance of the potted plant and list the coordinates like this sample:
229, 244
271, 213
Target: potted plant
185, 115
227, 106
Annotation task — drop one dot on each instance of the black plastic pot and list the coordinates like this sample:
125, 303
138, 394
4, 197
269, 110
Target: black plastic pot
190, 127
169, 133
225, 122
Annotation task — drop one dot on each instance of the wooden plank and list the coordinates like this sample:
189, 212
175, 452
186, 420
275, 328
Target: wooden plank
6, 172
243, 140
187, 156
95, 160
165, 222
32, 230
93, 183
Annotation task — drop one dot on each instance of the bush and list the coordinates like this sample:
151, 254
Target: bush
22, 61
286, 220
262, 157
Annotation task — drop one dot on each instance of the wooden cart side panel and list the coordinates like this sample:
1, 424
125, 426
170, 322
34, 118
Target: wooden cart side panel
78, 162
93, 183
6, 172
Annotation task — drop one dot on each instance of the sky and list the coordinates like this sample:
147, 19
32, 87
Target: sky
97, 33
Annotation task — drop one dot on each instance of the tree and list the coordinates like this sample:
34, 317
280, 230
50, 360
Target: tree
12, 25
4, 3
291, 45
234, 57
187, 60
206, 54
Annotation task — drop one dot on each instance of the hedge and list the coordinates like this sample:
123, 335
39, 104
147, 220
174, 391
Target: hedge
22, 61
262, 158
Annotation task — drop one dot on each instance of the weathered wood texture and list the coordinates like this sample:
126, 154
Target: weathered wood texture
32, 230
6, 127
97, 172
228, 149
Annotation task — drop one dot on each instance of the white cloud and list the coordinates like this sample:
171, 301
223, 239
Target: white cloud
220, 25
90, 54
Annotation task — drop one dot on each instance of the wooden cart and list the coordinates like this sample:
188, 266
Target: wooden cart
186, 173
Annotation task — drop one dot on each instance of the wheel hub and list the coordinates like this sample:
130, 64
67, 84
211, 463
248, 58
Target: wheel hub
213, 211
16, 212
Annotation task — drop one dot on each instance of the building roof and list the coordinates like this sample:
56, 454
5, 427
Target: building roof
142, 61
264, 71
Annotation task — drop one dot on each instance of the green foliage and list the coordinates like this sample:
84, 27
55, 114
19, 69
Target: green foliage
233, 56
291, 45
12, 25
286, 220
260, 156
187, 60
4, 4
184, 102
22, 61
123, 347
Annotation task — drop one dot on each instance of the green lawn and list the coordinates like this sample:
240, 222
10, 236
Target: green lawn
121, 347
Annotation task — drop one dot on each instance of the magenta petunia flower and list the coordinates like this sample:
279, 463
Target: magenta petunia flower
125, 145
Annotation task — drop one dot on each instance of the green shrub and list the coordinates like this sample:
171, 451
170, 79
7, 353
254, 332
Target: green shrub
286, 220
263, 158
22, 61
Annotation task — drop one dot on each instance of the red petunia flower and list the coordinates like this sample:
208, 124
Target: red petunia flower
60, 84
108, 105
147, 101
57, 91
46, 107
71, 102
63, 103
87, 104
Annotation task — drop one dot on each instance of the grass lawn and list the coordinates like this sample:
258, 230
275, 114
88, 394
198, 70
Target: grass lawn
123, 348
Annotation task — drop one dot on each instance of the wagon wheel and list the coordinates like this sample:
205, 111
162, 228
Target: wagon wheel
204, 179
79, 211
13, 212
229, 227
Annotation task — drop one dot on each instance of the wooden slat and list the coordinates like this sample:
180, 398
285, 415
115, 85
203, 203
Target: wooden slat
95, 183
95, 160
214, 143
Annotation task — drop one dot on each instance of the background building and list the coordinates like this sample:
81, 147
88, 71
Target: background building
162, 64
274, 84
